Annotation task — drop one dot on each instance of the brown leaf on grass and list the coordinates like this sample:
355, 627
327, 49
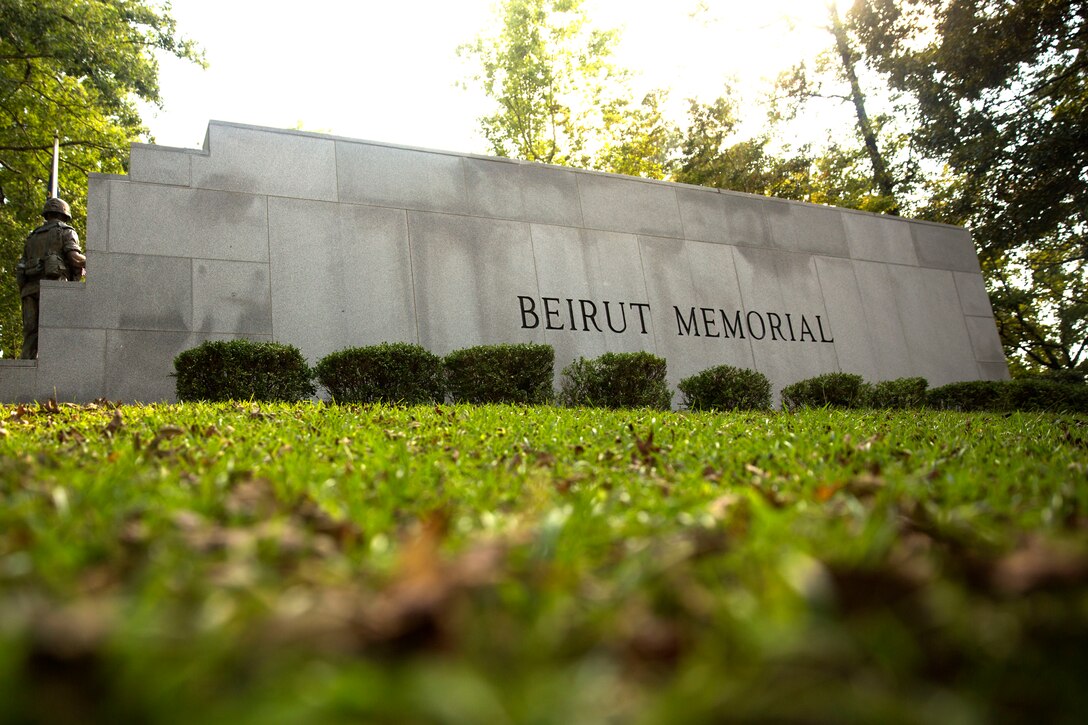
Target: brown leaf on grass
412, 611
712, 474
75, 630
311, 515
71, 434
200, 534
1039, 564
755, 470
165, 433
645, 447
650, 640
825, 491
115, 424
721, 507
134, 531
865, 485
251, 498
187, 520
64, 668
863, 589
49, 406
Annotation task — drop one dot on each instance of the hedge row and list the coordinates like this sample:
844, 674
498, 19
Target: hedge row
407, 373
999, 396
391, 372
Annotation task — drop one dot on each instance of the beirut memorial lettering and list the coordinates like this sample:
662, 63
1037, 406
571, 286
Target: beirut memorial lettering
326, 242
704, 322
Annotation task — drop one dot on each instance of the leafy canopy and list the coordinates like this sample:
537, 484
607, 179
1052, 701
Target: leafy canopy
1002, 97
76, 67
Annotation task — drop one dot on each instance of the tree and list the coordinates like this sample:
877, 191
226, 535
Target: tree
549, 74
1002, 95
881, 174
75, 67
711, 155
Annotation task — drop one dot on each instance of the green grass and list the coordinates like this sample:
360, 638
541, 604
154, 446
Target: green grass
304, 563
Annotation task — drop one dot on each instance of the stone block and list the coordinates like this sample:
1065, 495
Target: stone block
18, 381
493, 188
846, 314
937, 338
883, 321
398, 177
713, 216
469, 273
141, 364
879, 238
507, 189
341, 276
798, 227
172, 221
588, 281
158, 165
550, 195
125, 291
617, 204
72, 364
984, 339
64, 304
98, 213
993, 370
685, 278
787, 285
974, 300
231, 297
944, 247
261, 161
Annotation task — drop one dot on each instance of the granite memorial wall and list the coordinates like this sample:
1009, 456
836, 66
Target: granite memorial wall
326, 242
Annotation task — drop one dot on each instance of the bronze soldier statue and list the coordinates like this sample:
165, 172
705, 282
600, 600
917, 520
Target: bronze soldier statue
50, 252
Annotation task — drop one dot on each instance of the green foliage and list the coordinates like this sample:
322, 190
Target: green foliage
242, 370
997, 396
897, 394
501, 374
549, 73
396, 372
836, 390
77, 67
726, 388
559, 97
709, 155
617, 380
1061, 375
1001, 91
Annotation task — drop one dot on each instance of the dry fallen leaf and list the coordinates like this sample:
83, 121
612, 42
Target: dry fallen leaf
115, 424
1039, 564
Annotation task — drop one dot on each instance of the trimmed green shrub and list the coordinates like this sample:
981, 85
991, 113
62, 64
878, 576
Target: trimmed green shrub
1025, 394
501, 374
1064, 376
242, 370
727, 388
837, 390
898, 393
392, 372
1033, 394
617, 380
966, 396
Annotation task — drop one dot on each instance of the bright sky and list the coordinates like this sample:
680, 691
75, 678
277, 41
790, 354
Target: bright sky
387, 71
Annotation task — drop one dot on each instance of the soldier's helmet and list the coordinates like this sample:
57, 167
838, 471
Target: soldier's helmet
57, 206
